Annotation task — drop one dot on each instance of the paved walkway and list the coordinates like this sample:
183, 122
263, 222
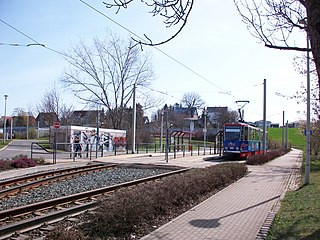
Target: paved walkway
244, 210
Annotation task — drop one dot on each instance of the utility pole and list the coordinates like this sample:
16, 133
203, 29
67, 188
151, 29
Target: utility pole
308, 148
205, 130
167, 134
5, 119
264, 117
161, 133
134, 120
283, 129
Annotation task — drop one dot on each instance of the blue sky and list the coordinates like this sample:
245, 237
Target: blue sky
215, 44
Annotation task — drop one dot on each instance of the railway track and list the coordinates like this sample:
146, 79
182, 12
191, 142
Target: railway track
16, 185
24, 218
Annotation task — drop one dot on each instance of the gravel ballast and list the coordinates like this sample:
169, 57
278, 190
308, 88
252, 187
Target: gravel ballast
79, 184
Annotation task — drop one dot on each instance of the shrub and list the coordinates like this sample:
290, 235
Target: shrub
22, 162
4, 164
132, 211
270, 155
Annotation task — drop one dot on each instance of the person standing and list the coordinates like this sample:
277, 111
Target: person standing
77, 147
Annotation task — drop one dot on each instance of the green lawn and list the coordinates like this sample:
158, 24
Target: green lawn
299, 216
295, 137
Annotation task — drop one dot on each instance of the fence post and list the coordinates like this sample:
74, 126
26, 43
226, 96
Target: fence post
31, 149
184, 150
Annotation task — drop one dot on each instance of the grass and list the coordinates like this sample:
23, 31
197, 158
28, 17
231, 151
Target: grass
295, 137
4, 144
299, 215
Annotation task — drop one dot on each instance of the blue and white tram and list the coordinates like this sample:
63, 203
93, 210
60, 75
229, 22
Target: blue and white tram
242, 140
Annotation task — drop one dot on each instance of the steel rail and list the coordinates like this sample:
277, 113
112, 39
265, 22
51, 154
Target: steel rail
71, 198
44, 174
32, 223
26, 186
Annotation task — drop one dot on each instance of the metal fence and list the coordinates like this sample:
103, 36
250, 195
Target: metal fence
92, 151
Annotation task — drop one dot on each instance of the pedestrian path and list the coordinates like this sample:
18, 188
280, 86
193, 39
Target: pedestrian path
244, 210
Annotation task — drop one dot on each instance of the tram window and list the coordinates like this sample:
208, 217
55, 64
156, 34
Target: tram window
244, 133
232, 134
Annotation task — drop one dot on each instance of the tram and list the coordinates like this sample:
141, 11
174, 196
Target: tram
242, 140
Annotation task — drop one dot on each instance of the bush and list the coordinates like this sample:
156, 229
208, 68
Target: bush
22, 161
134, 211
4, 164
262, 159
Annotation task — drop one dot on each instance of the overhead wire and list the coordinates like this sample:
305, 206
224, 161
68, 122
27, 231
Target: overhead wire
37, 43
222, 91
158, 49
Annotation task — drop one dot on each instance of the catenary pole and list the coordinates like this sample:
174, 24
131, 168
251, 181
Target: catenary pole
134, 120
264, 117
307, 167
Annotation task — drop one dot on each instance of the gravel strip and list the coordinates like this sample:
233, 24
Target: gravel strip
79, 184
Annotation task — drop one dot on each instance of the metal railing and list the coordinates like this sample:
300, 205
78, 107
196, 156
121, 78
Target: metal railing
89, 151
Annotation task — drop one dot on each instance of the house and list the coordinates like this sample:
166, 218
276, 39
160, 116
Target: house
214, 113
260, 123
85, 118
46, 120
191, 112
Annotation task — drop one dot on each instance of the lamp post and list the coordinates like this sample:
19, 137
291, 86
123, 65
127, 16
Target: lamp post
161, 133
5, 119
167, 134
308, 148
307, 167
205, 130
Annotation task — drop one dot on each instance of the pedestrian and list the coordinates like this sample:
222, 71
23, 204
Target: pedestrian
77, 147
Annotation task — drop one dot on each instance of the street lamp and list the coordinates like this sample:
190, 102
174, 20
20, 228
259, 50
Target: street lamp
167, 134
307, 167
205, 111
308, 147
5, 119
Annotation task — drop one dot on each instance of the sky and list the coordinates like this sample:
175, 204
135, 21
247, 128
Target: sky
214, 55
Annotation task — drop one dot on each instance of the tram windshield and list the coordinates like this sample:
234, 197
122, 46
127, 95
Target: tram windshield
232, 133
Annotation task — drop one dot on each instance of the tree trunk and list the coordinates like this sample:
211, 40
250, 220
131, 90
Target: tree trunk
313, 13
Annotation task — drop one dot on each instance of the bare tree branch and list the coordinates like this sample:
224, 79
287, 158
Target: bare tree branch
104, 75
173, 11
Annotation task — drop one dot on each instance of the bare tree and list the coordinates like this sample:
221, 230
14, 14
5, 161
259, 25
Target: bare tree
51, 102
192, 101
276, 23
21, 116
104, 75
175, 12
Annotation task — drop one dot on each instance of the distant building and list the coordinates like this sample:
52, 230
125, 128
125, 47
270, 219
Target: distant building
85, 118
191, 112
214, 113
45, 120
260, 123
